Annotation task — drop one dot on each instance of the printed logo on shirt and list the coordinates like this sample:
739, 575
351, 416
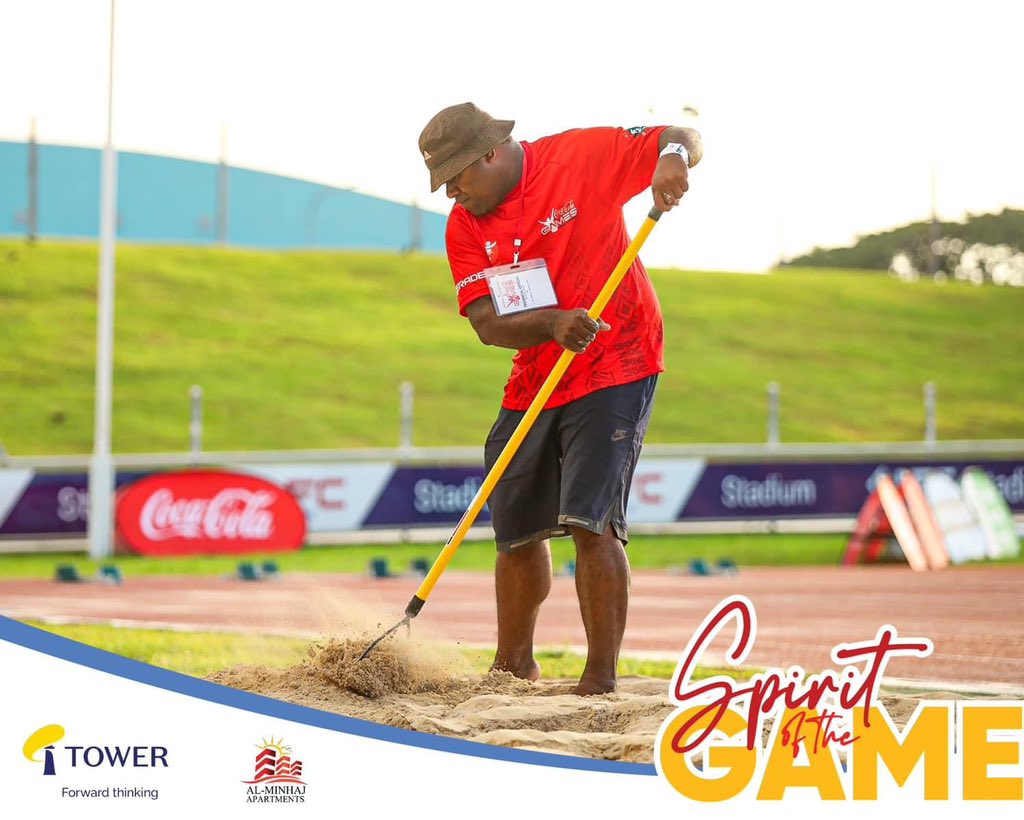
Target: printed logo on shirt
489, 248
638, 130
469, 280
559, 216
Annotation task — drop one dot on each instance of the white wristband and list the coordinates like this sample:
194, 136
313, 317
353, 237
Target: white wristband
676, 148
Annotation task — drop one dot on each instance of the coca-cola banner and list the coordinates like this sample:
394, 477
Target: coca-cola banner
208, 512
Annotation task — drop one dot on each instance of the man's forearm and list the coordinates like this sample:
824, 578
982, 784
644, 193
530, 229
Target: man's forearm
687, 137
572, 329
519, 330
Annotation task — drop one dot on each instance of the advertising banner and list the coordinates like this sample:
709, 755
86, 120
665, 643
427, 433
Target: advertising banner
334, 497
346, 497
45, 504
207, 512
422, 496
816, 489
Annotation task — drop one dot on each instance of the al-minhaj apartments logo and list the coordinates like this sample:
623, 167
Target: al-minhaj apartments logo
276, 775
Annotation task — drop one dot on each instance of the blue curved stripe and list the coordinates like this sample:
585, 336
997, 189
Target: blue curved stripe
66, 649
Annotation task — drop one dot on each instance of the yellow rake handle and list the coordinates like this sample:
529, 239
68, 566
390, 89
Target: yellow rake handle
546, 389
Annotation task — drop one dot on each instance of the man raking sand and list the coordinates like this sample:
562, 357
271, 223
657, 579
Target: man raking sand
534, 228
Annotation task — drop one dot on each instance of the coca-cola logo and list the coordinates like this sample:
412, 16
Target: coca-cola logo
208, 512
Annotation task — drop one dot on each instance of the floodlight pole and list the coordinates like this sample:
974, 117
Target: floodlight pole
101, 467
32, 222
223, 189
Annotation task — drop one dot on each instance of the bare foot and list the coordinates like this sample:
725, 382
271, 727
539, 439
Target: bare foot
527, 670
594, 686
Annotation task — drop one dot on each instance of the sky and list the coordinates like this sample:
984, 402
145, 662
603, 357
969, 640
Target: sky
821, 121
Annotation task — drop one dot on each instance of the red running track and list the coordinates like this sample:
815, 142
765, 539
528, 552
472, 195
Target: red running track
974, 615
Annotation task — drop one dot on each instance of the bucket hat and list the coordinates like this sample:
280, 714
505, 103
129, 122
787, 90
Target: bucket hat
458, 136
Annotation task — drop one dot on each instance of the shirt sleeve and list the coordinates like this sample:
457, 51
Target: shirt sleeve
466, 257
620, 161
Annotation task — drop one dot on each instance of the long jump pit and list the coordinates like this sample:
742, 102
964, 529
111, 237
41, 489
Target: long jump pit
973, 615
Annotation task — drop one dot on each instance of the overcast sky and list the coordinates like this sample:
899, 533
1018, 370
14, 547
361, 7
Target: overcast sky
821, 120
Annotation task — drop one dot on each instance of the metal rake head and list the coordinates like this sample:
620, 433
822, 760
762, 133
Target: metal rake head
406, 621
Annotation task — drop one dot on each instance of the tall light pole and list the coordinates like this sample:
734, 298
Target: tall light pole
222, 189
101, 467
32, 223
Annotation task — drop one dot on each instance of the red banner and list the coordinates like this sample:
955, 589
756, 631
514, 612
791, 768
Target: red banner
207, 512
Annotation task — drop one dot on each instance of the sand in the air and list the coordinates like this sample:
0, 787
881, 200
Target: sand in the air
411, 686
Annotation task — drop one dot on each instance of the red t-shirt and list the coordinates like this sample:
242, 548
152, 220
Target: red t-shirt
567, 209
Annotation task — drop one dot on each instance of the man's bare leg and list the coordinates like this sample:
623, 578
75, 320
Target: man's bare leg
522, 582
602, 584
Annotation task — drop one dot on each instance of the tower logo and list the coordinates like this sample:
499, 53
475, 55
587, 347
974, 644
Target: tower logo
43, 740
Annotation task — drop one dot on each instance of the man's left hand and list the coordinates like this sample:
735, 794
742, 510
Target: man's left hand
669, 182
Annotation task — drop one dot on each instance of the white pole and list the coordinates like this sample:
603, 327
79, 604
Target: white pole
195, 426
33, 185
773, 414
222, 188
101, 468
930, 423
407, 392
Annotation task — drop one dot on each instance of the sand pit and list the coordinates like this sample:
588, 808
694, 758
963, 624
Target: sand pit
418, 687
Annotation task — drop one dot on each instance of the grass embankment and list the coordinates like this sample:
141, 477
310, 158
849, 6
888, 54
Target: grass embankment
306, 350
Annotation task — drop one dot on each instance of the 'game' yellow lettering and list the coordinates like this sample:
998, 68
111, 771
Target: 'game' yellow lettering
738, 762
927, 738
782, 770
980, 751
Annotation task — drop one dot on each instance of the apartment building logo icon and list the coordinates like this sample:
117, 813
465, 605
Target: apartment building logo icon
274, 764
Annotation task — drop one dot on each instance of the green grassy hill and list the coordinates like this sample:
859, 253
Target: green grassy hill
303, 350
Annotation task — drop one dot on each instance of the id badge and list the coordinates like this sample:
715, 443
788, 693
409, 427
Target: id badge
515, 288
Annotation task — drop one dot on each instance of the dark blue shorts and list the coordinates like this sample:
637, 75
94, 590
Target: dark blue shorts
574, 467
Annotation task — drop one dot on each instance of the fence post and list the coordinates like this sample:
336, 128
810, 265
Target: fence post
407, 392
195, 425
930, 423
773, 414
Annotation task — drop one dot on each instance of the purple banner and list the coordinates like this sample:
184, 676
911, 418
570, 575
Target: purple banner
810, 490
54, 504
427, 495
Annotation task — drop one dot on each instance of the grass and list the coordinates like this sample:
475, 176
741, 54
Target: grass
192, 653
645, 552
201, 653
306, 350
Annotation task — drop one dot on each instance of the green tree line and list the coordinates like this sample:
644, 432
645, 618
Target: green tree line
982, 248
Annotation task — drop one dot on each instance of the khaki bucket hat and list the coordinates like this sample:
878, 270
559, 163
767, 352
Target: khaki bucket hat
458, 136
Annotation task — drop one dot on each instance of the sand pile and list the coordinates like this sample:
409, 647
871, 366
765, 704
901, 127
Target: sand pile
421, 687
429, 689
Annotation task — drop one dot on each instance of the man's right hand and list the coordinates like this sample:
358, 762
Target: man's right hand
572, 329
575, 330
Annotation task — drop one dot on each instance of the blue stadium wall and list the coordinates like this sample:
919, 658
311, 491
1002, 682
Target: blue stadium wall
167, 200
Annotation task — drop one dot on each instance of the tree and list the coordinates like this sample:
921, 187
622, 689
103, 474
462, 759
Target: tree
983, 248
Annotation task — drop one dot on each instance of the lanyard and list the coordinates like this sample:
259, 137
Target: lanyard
517, 243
